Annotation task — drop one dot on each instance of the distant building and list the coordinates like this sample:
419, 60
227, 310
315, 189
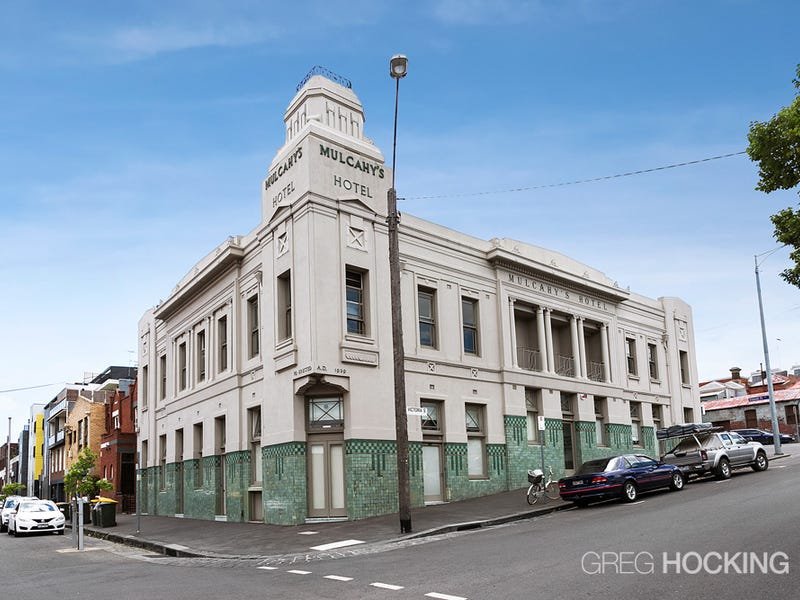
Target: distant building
36, 451
7, 474
118, 446
266, 376
748, 406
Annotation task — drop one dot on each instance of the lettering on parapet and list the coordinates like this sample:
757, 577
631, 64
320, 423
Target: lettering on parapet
551, 290
365, 166
283, 168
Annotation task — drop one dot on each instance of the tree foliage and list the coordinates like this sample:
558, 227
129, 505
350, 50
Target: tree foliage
775, 146
13, 489
80, 481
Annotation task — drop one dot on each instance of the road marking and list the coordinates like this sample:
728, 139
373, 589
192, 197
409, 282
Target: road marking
635, 503
444, 596
780, 467
268, 568
333, 545
68, 550
386, 586
338, 578
298, 572
308, 533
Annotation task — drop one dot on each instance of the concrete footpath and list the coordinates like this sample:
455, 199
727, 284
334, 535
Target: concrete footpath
215, 539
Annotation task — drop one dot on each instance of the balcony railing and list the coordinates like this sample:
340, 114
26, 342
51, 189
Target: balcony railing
529, 359
565, 366
595, 371
56, 438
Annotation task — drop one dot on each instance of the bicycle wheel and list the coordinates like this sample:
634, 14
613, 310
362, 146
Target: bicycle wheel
534, 493
551, 491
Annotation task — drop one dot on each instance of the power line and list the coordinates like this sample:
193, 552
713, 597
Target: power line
30, 387
594, 179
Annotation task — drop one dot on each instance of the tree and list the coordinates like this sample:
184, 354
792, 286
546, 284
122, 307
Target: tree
775, 146
80, 481
13, 489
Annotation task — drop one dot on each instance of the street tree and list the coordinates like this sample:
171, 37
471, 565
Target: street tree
80, 481
775, 146
13, 489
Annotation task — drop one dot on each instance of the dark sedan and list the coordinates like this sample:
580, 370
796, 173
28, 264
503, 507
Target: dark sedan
765, 437
622, 476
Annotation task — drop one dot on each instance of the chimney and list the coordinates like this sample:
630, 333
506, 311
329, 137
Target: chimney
735, 372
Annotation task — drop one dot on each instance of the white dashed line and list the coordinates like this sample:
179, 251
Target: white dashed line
386, 586
444, 596
298, 572
268, 568
338, 578
333, 545
635, 503
307, 532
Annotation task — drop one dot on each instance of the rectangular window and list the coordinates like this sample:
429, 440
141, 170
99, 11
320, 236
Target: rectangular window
143, 456
658, 415
162, 462
252, 327
630, 355
533, 407
791, 414
688, 415
201, 355
145, 385
197, 454
179, 445
469, 316
476, 443
636, 424
222, 344
254, 430
684, 358
284, 306
182, 366
355, 296
652, 360
600, 421
325, 413
426, 299
162, 368
432, 421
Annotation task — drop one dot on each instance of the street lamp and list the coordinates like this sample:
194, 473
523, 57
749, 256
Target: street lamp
397, 69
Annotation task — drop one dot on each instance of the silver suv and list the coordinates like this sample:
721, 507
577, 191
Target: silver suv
716, 452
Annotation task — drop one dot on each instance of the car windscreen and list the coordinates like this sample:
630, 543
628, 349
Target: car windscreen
597, 465
36, 507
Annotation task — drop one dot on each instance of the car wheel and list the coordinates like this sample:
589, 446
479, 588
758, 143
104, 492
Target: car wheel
678, 481
723, 470
761, 463
630, 492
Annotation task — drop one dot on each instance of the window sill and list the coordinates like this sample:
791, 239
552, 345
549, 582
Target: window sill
478, 478
633, 376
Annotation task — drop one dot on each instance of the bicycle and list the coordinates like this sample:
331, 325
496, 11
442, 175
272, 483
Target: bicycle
538, 488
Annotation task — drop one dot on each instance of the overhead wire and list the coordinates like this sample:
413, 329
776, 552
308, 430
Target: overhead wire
578, 181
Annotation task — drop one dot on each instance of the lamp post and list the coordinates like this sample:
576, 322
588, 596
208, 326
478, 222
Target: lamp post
397, 69
776, 434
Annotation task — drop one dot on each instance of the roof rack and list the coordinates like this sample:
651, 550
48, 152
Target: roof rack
685, 429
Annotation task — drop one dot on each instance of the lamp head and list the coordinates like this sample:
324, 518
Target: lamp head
398, 66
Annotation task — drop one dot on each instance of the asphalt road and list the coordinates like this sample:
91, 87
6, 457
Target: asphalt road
734, 539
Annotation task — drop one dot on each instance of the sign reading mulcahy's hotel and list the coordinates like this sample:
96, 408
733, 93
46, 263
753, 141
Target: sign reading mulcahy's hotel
551, 290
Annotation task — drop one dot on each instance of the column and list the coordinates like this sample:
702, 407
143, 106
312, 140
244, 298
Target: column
573, 334
541, 338
513, 336
582, 349
604, 349
548, 336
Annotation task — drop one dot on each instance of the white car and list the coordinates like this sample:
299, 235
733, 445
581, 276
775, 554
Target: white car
9, 505
34, 516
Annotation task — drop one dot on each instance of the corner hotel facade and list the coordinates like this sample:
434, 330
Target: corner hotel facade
266, 379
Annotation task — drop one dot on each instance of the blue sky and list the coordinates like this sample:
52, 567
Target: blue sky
133, 140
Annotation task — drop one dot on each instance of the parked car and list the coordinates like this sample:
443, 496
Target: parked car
763, 437
622, 476
9, 505
36, 516
706, 450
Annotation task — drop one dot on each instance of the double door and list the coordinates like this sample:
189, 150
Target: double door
326, 487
